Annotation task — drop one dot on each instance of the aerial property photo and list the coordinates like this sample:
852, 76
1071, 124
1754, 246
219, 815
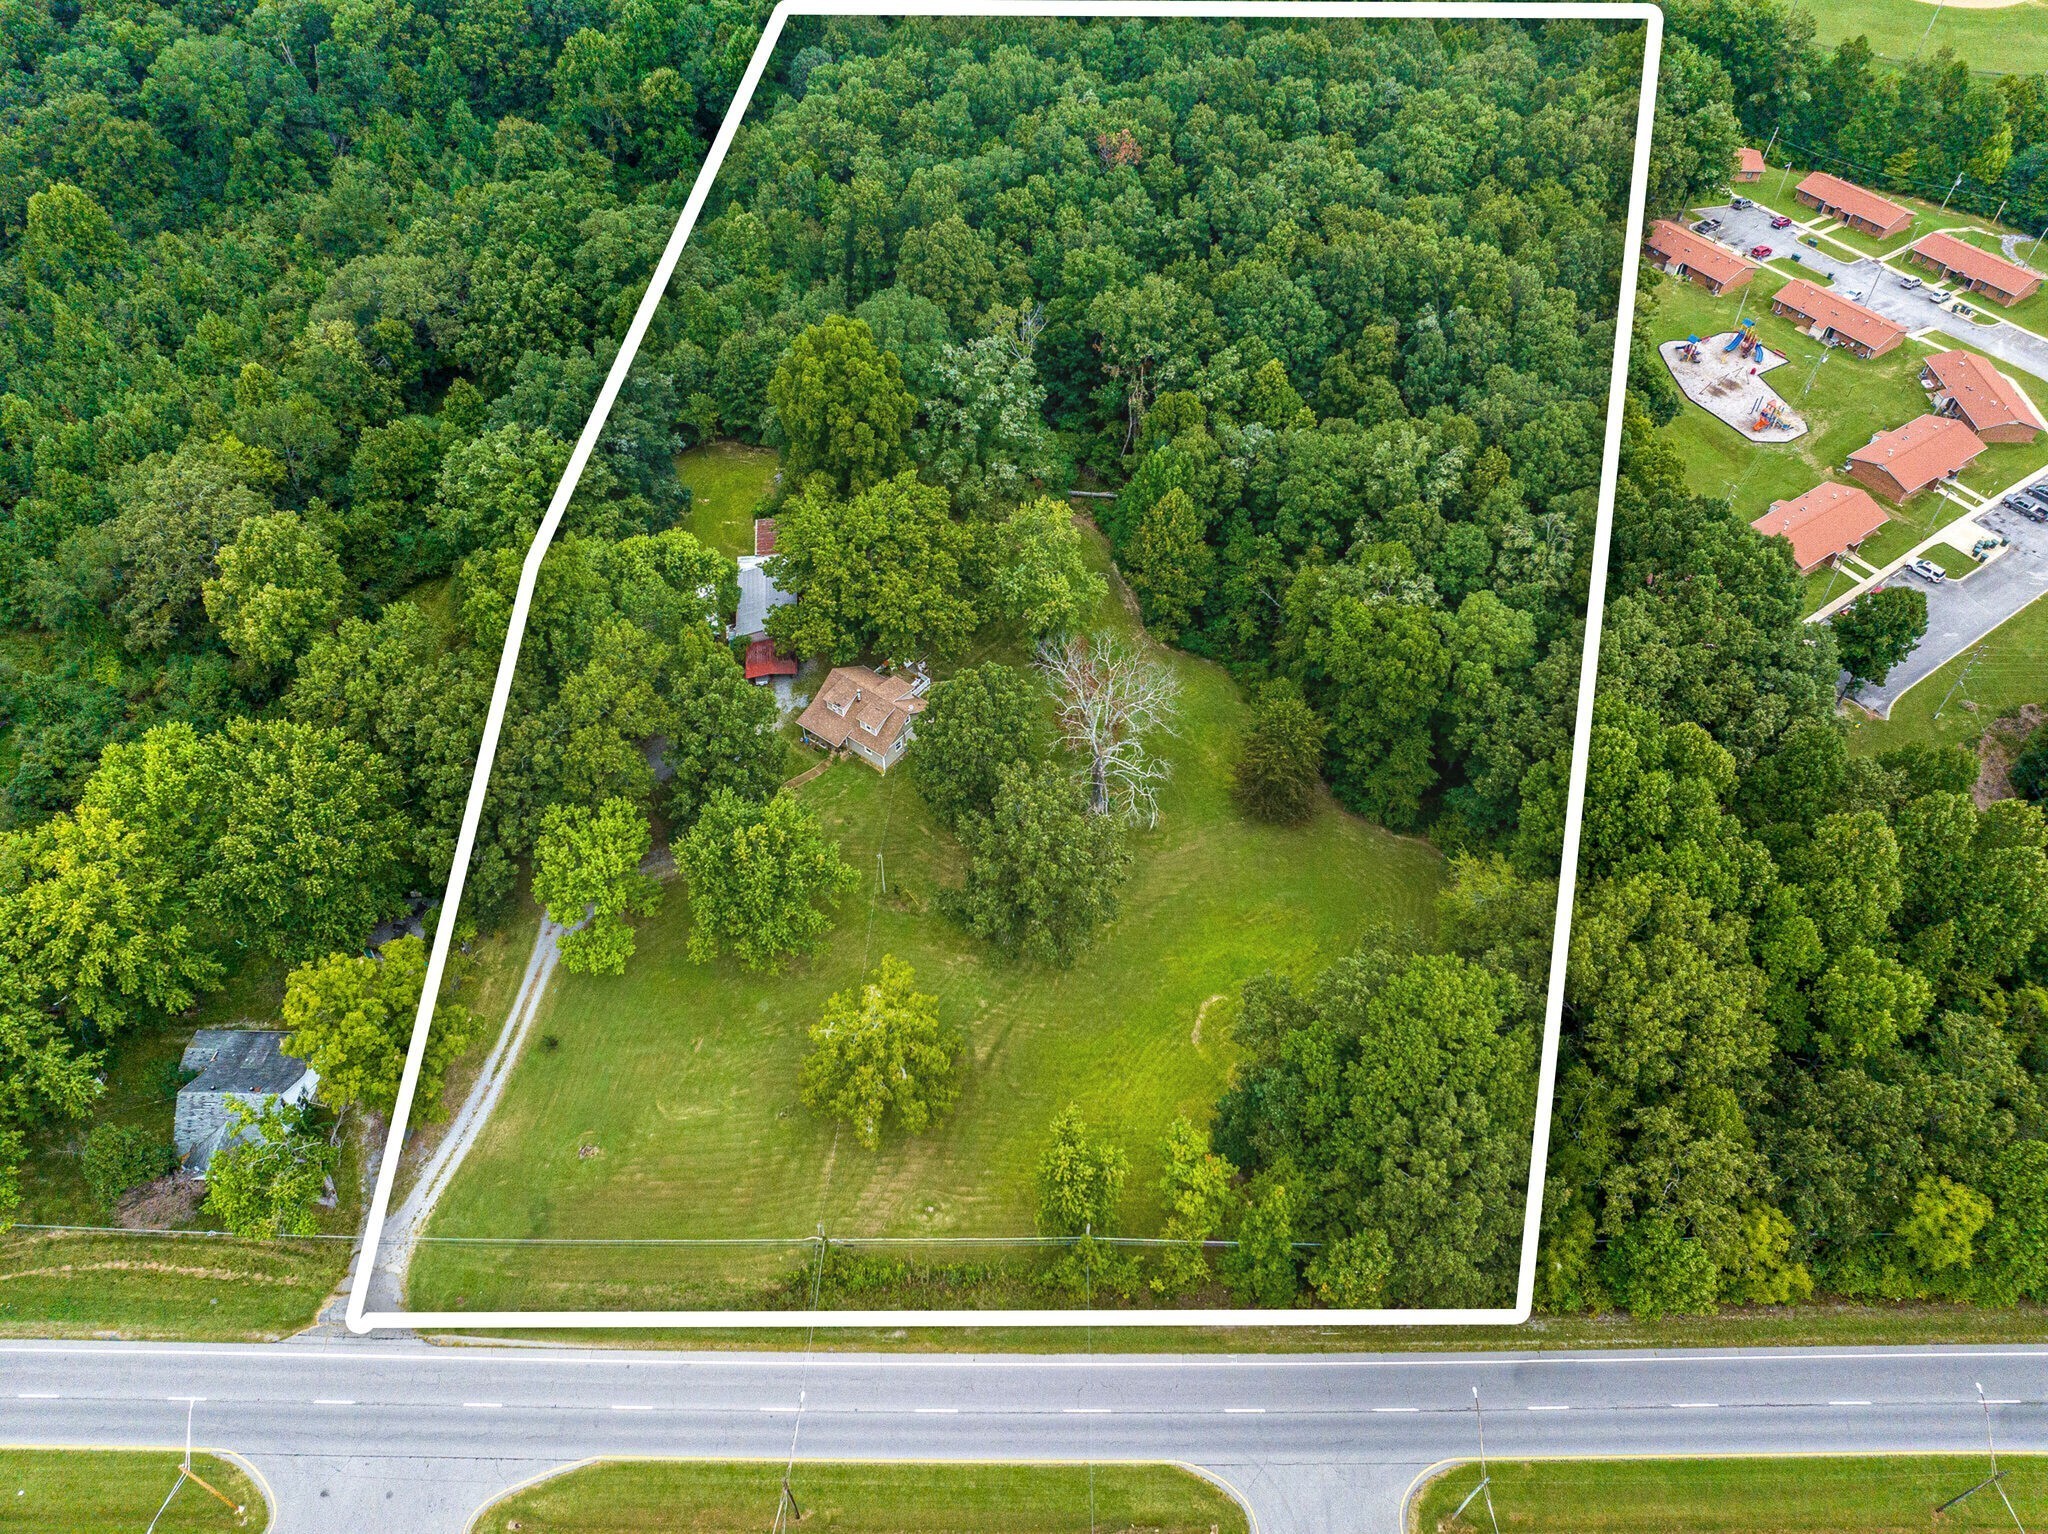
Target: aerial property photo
1082, 654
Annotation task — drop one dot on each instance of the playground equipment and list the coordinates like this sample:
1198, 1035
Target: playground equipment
1691, 350
1745, 338
1771, 415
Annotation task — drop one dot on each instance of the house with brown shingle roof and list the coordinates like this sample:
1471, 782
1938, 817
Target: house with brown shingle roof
1991, 404
1978, 270
862, 711
1878, 217
1677, 250
1749, 164
1823, 524
1835, 320
1906, 460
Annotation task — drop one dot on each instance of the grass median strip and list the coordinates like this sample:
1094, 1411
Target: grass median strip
1793, 1495
655, 1496
75, 1491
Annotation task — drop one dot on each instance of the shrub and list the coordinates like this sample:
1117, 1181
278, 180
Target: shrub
118, 1158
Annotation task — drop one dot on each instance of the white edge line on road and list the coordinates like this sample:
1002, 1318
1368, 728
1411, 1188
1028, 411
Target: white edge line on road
1085, 1411
1402, 1409
1695, 1405
1651, 17
1546, 1408
1848, 1403
331, 1401
37, 1395
483, 1405
1244, 1411
629, 1406
936, 1411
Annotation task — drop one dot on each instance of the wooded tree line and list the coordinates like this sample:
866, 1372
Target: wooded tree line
1906, 126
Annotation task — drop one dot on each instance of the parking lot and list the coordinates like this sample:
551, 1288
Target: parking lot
1870, 283
1961, 612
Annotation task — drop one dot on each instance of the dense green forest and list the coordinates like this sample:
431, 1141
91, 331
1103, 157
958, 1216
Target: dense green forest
306, 302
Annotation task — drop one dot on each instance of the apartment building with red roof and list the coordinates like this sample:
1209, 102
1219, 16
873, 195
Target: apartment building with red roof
1861, 209
1908, 459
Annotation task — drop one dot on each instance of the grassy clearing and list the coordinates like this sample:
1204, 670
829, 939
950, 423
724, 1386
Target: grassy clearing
1952, 560
2013, 39
2003, 670
1845, 400
1822, 1323
627, 1497
1794, 1495
77, 1491
727, 481
202, 1288
667, 1106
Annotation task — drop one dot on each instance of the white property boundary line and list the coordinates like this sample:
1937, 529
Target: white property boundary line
360, 1319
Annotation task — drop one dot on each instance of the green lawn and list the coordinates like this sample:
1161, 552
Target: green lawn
1952, 560
668, 1105
1790, 1495
686, 1497
2003, 671
2013, 39
727, 481
78, 1491
1845, 400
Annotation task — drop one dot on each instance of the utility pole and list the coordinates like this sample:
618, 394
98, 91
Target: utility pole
2043, 235
1956, 183
1484, 1488
2001, 211
1774, 140
1962, 680
1995, 1480
1810, 377
1938, 4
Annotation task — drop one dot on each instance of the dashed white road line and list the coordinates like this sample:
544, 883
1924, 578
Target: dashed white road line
1397, 1408
1547, 1408
1085, 1411
483, 1405
1244, 1411
37, 1395
331, 1401
936, 1411
1695, 1405
1848, 1403
630, 1406
788, 1409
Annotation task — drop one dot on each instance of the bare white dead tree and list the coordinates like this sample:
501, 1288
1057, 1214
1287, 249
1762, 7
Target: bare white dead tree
1113, 697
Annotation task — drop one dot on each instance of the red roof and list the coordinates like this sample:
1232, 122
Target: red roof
1921, 451
764, 535
1749, 162
1676, 243
1829, 519
763, 661
1986, 397
1839, 314
1977, 265
1853, 199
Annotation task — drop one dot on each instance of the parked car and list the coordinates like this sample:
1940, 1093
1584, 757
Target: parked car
1935, 296
1781, 222
1760, 252
1909, 282
1928, 571
1740, 202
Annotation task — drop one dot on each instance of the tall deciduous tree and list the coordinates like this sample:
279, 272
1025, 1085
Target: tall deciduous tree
880, 1054
762, 878
1080, 1180
1043, 874
1878, 631
265, 1185
724, 737
881, 572
1042, 580
1168, 563
977, 722
842, 406
586, 873
351, 1019
278, 586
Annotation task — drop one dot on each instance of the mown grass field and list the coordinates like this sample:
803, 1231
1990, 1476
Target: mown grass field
1952, 706
1844, 400
667, 1105
727, 481
77, 1491
2013, 39
1793, 1495
673, 1496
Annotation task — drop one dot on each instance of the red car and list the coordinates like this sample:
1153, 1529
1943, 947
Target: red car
1781, 222
1760, 252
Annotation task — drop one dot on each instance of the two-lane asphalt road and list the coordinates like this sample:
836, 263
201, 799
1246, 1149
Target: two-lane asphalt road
368, 1437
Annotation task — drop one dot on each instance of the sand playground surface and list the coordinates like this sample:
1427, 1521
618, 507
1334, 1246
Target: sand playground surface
1730, 385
